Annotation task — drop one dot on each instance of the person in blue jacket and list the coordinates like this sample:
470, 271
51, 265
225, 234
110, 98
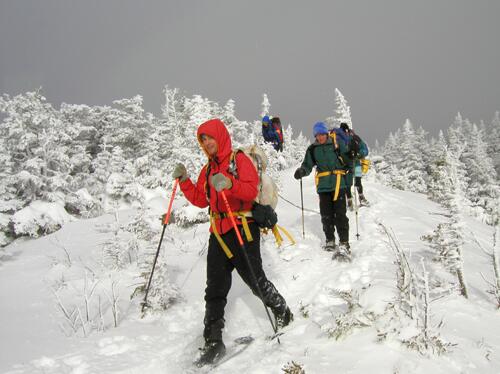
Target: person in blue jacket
273, 132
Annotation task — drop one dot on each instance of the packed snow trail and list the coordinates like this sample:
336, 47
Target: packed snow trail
306, 275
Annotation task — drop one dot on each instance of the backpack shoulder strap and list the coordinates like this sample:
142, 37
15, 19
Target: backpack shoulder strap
207, 174
233, 167
333, 135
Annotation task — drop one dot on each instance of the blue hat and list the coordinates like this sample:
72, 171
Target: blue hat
266, 119
319, 128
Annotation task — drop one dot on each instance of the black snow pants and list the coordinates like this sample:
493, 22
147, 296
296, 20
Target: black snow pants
359, 186
219, 269
333, 215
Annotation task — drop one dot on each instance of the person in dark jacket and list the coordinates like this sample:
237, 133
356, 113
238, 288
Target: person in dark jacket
224, 251
359, 150
267, 132
272, 131
330, 155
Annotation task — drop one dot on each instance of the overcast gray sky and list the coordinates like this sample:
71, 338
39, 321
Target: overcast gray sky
392, 59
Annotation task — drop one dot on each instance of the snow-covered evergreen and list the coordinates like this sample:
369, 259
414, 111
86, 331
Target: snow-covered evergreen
342, 110
93, 159
265, 106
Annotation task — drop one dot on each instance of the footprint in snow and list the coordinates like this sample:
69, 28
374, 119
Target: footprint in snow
115, 346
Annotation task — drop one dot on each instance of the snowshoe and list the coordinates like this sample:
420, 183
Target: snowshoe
363, 201
330, 246
211, 353
343, 252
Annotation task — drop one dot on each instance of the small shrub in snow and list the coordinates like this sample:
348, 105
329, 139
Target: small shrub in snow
408, 317
354, 317
81, 203
447, 241
293, 368
188, 216
87, 305
494, 255
304, 311
39, 218
121, 249
162, 293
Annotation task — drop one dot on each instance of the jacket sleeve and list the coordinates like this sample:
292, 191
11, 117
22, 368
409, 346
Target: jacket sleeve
266, 133
363, 149
195, 193
308, 163
245, 187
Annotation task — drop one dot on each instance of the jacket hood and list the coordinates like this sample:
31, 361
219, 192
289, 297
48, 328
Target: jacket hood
217, 130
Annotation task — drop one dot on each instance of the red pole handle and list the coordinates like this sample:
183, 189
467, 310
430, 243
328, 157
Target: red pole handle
228, 208
167, 216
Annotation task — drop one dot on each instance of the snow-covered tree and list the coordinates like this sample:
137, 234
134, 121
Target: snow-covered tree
493, 139
482, 188
412, 165
448, 238
265, 106
33, 135
438, 183
342, 110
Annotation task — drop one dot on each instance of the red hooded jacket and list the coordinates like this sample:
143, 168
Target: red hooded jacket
244, 190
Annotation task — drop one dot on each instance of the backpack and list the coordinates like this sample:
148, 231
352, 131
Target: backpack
267, 197
263, 210
268, 191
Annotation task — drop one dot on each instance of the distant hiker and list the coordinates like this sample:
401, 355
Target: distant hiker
330, 155
272, 132
359, 150
224, 251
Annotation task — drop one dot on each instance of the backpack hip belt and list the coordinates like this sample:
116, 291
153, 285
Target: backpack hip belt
244, 222
338, 173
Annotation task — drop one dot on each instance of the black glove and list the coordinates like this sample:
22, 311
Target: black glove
299, 173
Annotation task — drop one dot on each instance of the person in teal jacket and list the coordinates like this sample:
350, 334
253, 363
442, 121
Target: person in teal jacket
331, 157
359, 150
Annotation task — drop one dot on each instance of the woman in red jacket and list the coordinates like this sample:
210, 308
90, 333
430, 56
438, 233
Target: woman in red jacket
224, 251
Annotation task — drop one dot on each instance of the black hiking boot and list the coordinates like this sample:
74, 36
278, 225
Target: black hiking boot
363, 201
282, 317
211, 353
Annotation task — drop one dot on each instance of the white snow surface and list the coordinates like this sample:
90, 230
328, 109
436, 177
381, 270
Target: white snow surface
32, 340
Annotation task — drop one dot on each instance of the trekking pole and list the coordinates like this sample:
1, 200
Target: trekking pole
302, 204
165, 222
252, 274
355, 195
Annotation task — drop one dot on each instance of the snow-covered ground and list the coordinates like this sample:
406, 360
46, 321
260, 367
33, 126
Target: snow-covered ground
33, 341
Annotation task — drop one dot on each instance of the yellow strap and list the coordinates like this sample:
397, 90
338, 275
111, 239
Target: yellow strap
244, 222
276, 232
333, 135
246, 229
290, 237
338, 173
277, 235
337, 188
219, 239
